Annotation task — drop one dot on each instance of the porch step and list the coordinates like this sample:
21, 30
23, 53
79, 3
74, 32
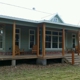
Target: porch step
68, 59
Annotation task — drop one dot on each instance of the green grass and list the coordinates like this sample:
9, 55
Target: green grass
37, 72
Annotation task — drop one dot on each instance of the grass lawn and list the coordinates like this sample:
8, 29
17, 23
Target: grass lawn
37, 72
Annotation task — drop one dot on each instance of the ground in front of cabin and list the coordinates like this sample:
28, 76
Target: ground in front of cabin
38, 72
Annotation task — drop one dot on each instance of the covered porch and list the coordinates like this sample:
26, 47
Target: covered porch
69, 39
41, 36
57, 40
52, 40
22, 34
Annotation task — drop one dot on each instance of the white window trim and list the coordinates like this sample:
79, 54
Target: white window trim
2, 39
55, 19
19, 36
51, 39
29, 37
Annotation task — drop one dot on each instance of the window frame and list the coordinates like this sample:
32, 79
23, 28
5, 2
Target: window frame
2, 38
48, 41
29, 37
55, 20
19, 36
51, 39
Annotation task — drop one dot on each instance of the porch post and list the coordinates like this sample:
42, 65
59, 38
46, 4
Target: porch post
63, 41
43, 40
78, 41
14, 27
38, 41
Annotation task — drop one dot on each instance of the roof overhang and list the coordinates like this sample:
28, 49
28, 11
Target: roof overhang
26, 22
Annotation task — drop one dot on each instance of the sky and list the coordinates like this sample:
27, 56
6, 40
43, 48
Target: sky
68, 10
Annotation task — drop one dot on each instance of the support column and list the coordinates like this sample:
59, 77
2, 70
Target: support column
14, 28
72, 57
63, 41
42, 61
38, 41
43, 40
13, 62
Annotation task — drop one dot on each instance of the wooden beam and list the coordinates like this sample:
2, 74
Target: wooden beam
72, 57
14, 28
38, 41
63, 41
43, 40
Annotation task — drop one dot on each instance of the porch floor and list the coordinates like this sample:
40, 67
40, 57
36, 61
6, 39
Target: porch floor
51, 56
47, 56
54, 56
10, 57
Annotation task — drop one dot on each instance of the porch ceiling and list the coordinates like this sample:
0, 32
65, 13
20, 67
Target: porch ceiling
66, 27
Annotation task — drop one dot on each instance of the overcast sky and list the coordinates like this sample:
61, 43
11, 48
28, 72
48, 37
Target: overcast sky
67, 9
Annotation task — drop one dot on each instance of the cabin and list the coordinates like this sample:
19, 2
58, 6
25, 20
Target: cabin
40, 40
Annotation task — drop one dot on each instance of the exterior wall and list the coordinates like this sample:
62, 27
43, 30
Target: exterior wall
24, 38
8, 38
69, 39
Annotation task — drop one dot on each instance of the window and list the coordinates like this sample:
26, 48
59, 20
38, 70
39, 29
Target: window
60, 39
17, 37
48, 39
56, 39
73, 40
1, 38
55, 20
32, 36
48, 32
53, 39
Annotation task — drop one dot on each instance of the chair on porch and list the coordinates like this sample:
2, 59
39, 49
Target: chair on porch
34, 49
17, 50
69, 50
76, 49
